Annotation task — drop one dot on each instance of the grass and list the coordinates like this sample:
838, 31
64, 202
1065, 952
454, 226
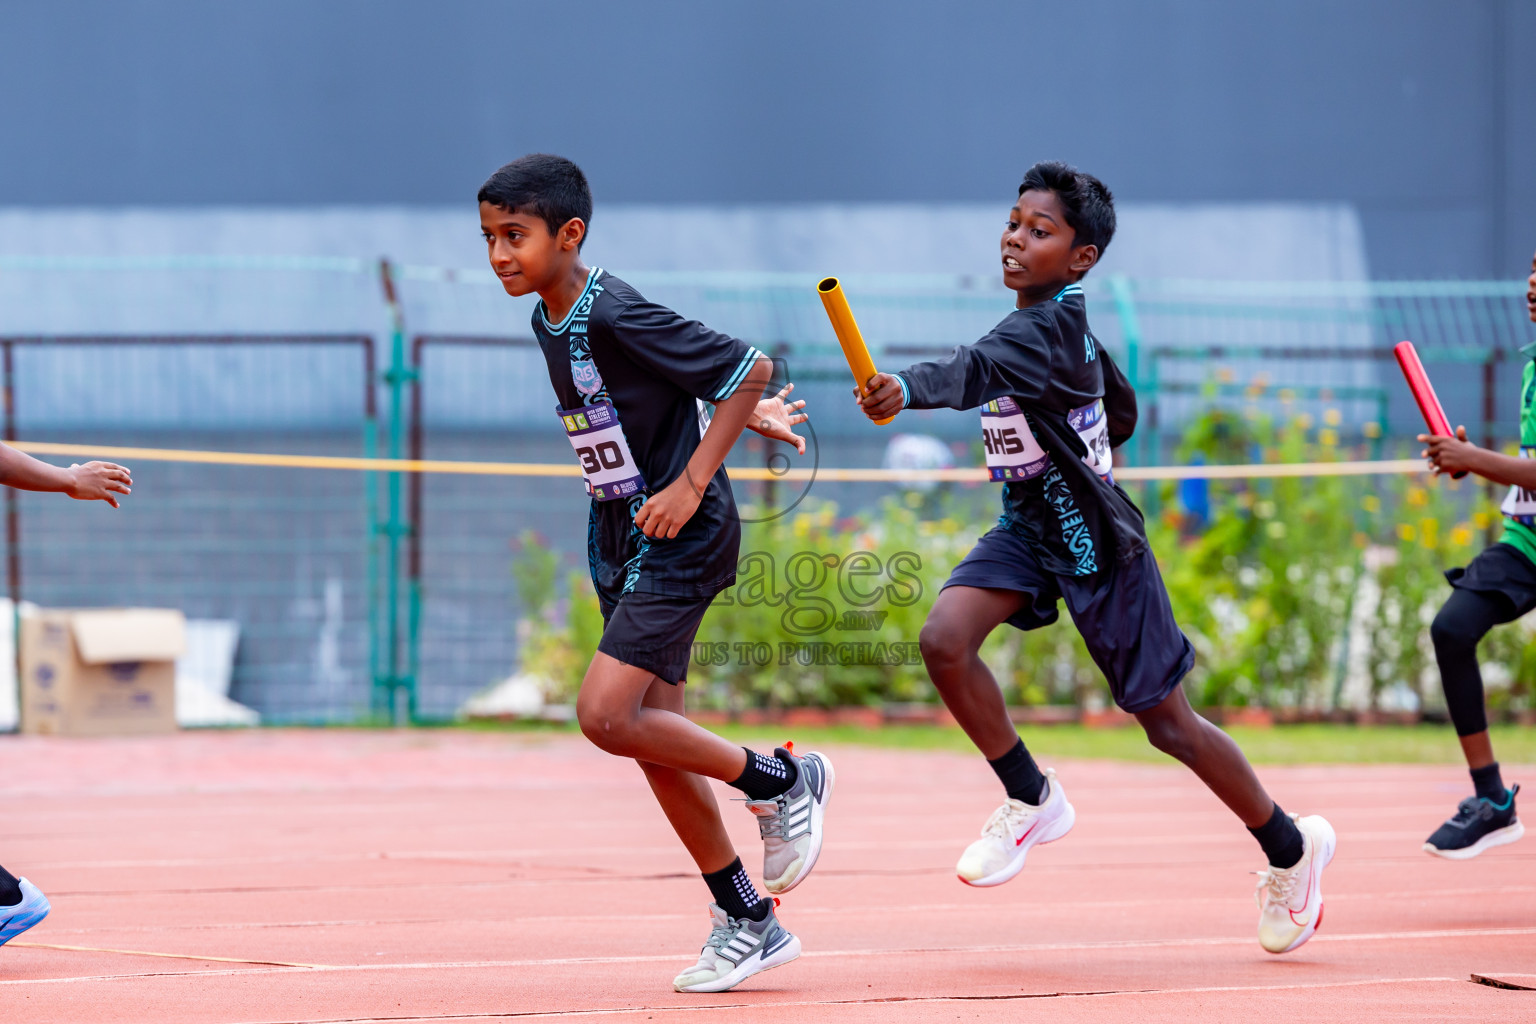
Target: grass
1283, 744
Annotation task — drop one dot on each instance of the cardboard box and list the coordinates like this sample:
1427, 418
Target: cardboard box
101, 672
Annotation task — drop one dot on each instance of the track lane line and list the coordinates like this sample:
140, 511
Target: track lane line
1036, 947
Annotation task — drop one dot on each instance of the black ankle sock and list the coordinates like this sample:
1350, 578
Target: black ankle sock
1490, 784
734, 892
765, 777
1280, 838
1020, 775
10, 889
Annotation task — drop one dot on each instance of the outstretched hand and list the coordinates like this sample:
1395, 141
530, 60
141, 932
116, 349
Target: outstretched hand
775, 417
99, 481
1450, 454
882, 397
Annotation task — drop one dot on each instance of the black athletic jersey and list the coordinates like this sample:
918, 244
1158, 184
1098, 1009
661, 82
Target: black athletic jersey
654, 367
1043, 362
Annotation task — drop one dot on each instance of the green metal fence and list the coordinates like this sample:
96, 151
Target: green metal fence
392, 597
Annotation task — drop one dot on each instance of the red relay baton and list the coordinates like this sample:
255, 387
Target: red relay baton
1424, 393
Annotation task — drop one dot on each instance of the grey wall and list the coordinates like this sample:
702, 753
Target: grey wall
1416, 111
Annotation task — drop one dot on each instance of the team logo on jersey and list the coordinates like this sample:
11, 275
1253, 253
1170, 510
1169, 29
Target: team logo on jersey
585, 376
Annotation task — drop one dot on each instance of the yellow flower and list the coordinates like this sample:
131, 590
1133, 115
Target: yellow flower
1371, 430
1371, 503
1328, 437
1304, 421
1418, 497
1430, 528
1287, 395
1405, 532
1461, 537
1333, 417
1480, 520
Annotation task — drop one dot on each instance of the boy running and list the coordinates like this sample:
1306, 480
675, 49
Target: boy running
1053, 405
1498, 586
22, 904
663, 538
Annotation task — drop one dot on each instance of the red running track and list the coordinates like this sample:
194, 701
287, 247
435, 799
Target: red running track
445, 876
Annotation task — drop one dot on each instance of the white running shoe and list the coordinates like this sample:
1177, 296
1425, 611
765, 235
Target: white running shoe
1013, 828
18, 918
736, 949
1291, 899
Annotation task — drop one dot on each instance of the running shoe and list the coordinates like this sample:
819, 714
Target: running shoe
1013, 828
791, 823
17, 919
1291, 899
1477, 825
737, 948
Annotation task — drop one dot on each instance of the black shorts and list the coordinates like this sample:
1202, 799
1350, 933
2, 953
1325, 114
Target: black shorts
1121, 611
1500, 569
652, 631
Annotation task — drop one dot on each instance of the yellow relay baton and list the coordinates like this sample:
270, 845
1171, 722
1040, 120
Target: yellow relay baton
848, 336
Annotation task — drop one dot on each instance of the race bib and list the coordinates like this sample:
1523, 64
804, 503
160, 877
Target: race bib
1012, 451
1014, 454
606, 464
1092, 426
1520, 503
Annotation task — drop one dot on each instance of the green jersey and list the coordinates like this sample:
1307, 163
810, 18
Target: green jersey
1519, 506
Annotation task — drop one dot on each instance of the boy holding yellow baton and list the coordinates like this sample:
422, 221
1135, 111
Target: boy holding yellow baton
1053, 405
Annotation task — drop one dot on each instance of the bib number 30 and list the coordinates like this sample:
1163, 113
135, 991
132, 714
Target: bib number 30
606, 463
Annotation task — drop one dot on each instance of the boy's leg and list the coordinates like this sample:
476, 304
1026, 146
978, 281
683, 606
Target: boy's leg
685, 797
1487, 818
648, 640
750, 938
1461, 624
1175, 729
613, 714
1125, 618
1036, 808
962, 618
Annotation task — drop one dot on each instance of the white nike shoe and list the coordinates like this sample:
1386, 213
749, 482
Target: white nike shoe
1291, 899
1013, 828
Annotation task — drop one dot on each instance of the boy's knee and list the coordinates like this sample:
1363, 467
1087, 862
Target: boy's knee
1172, 737
601, 722
1451, 636
941, 645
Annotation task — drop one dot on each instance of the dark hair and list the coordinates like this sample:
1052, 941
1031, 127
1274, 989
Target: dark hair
1089, 206
551, 187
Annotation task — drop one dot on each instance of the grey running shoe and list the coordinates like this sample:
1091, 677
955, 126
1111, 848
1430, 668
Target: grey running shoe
791, 823
736, 949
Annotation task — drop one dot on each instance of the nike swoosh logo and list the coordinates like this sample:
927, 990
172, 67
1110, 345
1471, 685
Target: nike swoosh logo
1311, 881
1032, 826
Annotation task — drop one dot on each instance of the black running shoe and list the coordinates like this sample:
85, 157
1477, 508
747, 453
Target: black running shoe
1478, 824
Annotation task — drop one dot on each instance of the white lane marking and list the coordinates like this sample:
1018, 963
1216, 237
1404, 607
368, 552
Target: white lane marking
1037, 947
